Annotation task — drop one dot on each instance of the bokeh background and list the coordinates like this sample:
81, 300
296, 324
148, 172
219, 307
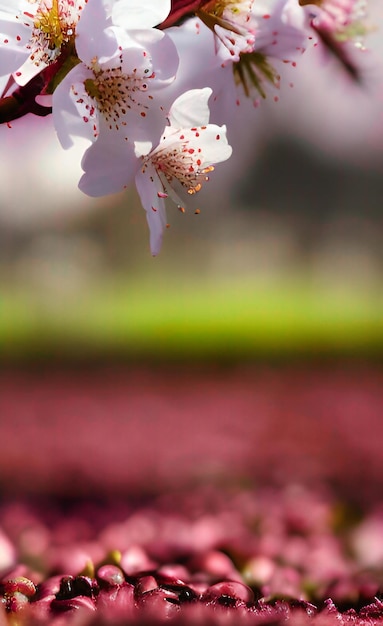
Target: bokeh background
250, 350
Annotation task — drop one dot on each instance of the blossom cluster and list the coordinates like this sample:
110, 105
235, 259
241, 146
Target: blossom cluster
142, 79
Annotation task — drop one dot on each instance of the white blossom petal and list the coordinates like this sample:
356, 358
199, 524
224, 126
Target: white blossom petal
280, 27
13, 37
100, 43
132, 14
142, 148
15, 7
190, 109
106, 169
94, 16
150, 191
162, 50
67, 117
4, 81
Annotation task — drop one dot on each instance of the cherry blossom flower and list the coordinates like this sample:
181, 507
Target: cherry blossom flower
281, 33
230, 21
182, 160
33, 34
111, 88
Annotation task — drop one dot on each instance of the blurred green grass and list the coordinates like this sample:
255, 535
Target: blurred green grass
225, 320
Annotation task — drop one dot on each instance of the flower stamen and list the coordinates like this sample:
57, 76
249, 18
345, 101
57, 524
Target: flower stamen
53, 27
230, 21
114, 91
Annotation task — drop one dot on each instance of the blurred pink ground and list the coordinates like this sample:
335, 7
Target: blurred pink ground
143, 430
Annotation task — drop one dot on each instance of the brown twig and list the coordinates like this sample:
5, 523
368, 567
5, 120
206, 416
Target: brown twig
180, 9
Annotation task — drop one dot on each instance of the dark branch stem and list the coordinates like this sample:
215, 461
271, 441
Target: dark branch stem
23, 101
339, 50
180, 10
